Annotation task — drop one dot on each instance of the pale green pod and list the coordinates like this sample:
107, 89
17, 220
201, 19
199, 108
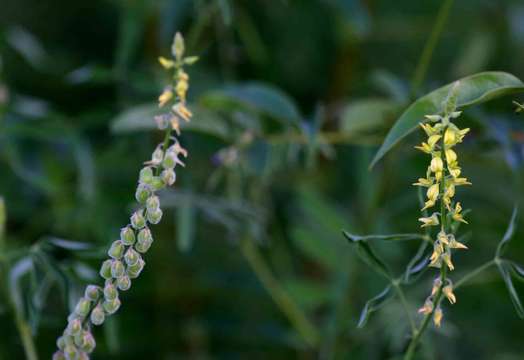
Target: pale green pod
158, 156
146, 175
105, 269
82, 307
168, 176
157, 183
110, 291
88, 342
116, 251
92, 292
127, 235
154, 216
111, 306
117, 269
98, 315
144, 240
74, 327
71, 352
61, 342
131, 257
152, 203
170, 160
59, 355
142, 193
134, 271
137, 219
123, 282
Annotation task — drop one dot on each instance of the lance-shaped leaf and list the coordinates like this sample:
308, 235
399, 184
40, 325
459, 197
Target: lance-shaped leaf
388, 237
505, 271
501, 248
474, 89
417, 265
367, 254
373, 305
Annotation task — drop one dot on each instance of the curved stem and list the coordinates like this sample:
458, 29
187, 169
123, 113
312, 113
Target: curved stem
474, 273
286, 304
405, 305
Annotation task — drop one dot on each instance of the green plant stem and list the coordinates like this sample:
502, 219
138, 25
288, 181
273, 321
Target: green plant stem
474, 273
24, 330
423, 63
404, 302
286, 304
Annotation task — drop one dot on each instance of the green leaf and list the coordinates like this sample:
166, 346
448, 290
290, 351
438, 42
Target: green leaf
389, 237
367, 254
501, 248
417, 265
257, 97
517, 270
474, 89
366, 115
373, 305
141, 118
506, 276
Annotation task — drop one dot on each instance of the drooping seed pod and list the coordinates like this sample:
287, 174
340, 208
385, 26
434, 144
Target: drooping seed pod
74, 327
142, 193
131, 257
116, 251
158, 156
137, 219
71, 352
123, 282
157, 183
110, 290
170, 160
92, 292
88, 342
105, 269
133, 271
154, 216
152, 203
82, 307
146, 175
127, 235
144, 240
117, 268
61, 342
111, 306
168, 176
97, 315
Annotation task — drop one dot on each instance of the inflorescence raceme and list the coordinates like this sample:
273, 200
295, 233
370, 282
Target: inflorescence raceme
442, 177
125, 261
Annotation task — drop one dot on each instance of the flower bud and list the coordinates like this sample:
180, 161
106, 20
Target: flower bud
92, 292
178, 47
154, 216
59, 355
98, 315
116, 251
71, 352
127, 235
152, 203
157, 183
144, 240
82, 307
142, 193
123, 282
111, 306
117, 268
110, 291
158, 156
146, 175
105, 270
437, 165
74, 327
137, 219
168, 176
133, 271
131, 257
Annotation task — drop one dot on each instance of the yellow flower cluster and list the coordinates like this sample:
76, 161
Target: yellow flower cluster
442, 177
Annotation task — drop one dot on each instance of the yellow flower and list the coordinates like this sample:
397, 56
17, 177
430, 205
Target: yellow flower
423, 182
457, 216
454, 244
442, 237
424, 147
446, 257
175, 124
437, 283
181, 110
450, 137
164, 98
437, 165
429, 221
427, 308
448, 194
461, 181
454, 170
181, 89
166, 63
437, 317
451, 156
448, 293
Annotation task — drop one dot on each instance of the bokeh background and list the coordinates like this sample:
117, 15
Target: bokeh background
291, 100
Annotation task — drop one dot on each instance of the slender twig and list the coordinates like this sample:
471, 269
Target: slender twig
423, 63
286, 304
405, 305
474, 273
24, 330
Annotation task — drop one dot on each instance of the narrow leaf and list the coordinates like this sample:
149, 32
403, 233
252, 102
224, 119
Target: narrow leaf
506, 276
501, 248
373, 305
390, 237
474, 89
367, 254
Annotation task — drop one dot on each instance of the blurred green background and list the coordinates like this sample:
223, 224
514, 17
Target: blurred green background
291, 100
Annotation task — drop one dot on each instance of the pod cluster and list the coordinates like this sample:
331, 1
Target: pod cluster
125, 256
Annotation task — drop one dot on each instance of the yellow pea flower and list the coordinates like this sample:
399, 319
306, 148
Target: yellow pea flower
457, 216
429, 221
448, 293
166, 63
446, 257
427, 308
437, 317
437, 165
164, 98
451, 156
423, 182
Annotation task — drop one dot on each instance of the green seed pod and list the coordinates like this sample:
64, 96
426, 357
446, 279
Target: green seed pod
59, 355
146, 175
111, 306
82, 307
92, 292
158, 156
71, 352
168, 176
157, 183
61, 342
117, 268
137, 219
74, 327
134, 271
105, 270
154, 216
110, 291
127, 235
144, 240
152, 203
116, 251
131, 257
123, 282
88, 342
170, 160
98, 315
142, 193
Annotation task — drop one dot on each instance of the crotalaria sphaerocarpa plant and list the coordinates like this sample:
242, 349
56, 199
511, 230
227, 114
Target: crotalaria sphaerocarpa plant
125, 262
